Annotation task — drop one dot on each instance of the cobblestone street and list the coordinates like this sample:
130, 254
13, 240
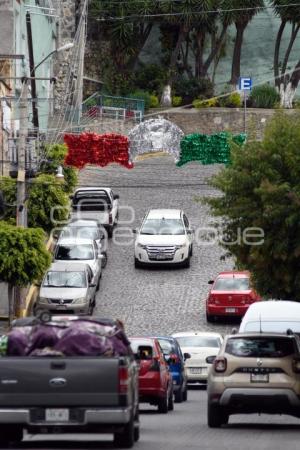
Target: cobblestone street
157, 300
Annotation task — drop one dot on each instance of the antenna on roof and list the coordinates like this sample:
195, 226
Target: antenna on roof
260, 329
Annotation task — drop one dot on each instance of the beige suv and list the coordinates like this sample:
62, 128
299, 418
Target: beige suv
254, 373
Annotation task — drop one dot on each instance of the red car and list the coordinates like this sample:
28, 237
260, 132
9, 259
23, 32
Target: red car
155, 379
231, 294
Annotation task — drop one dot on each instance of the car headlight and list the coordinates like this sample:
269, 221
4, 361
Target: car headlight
79, 300
43, 300
142, 246
179, 246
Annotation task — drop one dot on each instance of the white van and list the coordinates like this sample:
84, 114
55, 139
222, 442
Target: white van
272, 316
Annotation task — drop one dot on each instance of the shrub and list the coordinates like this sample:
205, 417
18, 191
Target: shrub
151, 77
189, 89
142, 95
154, 102
233, 100
264, 96
176, 100
8, 186
202, 103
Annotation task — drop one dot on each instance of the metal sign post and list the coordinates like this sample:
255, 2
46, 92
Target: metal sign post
245, 84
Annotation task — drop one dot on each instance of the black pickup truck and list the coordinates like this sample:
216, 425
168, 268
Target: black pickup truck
78, 394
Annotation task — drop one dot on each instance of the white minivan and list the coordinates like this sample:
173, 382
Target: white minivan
272, 316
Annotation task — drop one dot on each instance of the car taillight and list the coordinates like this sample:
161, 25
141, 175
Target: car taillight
110, 218
123, 380
155, 366
220, 364
296, 365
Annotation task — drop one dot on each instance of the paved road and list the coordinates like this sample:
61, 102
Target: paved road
157, 301
165, 301
185, 428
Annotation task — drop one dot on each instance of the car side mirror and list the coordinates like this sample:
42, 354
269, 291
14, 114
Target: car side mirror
116, 196
211, 282
92, 285
186, 356
134, 230
210, 359
190, 231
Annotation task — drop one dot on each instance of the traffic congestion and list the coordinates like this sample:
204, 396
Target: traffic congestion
256, 369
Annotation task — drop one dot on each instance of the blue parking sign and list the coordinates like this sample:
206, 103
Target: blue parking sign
245, 84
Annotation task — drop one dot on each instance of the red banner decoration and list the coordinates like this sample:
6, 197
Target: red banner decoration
97, 149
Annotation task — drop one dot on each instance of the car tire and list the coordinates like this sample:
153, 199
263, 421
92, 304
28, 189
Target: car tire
104, 260
209, 318
137, 263
125, 439
216, 416
171, 401
187, 262
98, 285
191, 250
110, 231
179, 396
136, 427
185, 394
91, 308
10, 434
163, 405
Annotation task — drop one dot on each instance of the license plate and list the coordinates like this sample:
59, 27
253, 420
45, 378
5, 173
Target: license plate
230, 310
259, 378
57, 415
63, 307
196, 370
161, 257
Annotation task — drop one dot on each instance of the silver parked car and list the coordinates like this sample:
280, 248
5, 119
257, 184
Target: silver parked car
74, 250
67, 288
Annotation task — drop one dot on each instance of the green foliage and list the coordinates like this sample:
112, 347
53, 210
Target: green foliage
189, 89
261, 189
9, 188
151, 77
143, 95
176, 100
209, 103
154, 101
55, 157
48, 203
264, 96
233, 100
23, 256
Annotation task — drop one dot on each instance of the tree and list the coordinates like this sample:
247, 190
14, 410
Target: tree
286, 81
23, 258
261, 190
241, 18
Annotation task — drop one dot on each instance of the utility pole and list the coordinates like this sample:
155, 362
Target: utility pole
21, 187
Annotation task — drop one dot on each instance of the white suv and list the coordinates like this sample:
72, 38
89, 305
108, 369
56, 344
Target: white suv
165, 237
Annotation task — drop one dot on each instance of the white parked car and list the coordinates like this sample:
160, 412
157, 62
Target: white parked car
74, 250
272, 316
199, 345
98, 203
165, 237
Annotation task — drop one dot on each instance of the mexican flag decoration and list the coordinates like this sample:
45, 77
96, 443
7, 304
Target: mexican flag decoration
97, 149
208, 149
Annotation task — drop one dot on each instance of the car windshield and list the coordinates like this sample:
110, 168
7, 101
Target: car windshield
80, 232
163, 227
92, 201
232, 284
75, 252
167, 346
276, 326
135, 344
65, 279
267, 347
198, 341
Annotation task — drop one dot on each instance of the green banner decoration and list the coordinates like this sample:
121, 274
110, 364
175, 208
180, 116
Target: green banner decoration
208, 149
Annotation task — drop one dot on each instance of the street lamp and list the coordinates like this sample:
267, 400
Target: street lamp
67, 46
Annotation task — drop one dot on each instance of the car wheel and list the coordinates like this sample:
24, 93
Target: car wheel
136, 427
104, 260
98, 285
137, 263
171, 401
185, 394
163, 405
125, 439
216, 416
179, 396
110, 231
209, 318
191, 250
116, 219
91, 308
10, 434
187, 262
